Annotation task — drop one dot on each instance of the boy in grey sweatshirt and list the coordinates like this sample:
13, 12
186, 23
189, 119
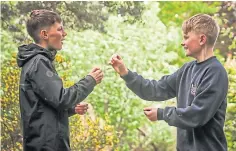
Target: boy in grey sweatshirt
200, 87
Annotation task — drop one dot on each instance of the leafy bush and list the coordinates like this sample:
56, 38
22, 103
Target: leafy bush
230, 124
11, 138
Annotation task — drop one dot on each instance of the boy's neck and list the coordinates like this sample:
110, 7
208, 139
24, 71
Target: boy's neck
205, 54
45, 46
41, 45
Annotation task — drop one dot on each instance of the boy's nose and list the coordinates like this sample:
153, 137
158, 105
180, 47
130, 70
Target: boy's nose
64, 34
182, 44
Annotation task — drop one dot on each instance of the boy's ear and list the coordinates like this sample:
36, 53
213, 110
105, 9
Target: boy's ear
203, 39
44, 34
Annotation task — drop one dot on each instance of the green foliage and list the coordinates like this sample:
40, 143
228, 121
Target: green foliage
231, 68
7, 45
93, 134
176, 12
76, 15
227, 38
11, 138
141, 52
146, 34
230, 124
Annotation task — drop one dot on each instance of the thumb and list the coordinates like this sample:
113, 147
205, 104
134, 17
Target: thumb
115, 59
118, 57
147, 113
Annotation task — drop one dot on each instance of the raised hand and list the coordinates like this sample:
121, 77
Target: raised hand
117, 63
97, 74
151, 113
81, 108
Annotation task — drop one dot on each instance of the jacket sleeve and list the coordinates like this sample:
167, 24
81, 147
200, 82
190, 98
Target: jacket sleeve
71, 111
48, 85
152, 90
210, 94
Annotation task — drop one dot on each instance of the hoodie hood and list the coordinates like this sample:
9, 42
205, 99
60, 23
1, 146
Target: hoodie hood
26, 52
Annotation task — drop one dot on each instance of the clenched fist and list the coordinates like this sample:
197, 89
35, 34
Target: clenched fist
97, 74
117, 63
81, 108
151, 113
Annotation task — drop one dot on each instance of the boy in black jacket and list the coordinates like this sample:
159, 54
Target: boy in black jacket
45, 104
200, 87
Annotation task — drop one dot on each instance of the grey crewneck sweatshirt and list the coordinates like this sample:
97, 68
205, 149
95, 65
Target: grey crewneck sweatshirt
201, 92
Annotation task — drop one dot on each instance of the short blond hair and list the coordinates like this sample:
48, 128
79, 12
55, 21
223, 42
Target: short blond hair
205, 24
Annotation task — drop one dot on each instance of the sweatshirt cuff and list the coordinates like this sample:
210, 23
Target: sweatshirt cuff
128, 77
160, 114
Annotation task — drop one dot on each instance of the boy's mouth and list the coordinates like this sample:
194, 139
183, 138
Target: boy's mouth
62, 41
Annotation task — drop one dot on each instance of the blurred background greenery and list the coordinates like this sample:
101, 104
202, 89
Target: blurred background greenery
146, 34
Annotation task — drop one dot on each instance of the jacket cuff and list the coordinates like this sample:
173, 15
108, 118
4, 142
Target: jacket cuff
160, 114
71, 111
88, 82
128, 77
91, 79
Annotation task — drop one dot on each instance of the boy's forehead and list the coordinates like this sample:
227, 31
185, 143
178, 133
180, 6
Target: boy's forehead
58, 24
185, 33
188, 33
53, 26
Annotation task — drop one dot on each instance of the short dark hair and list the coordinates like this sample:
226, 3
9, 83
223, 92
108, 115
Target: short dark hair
39, 19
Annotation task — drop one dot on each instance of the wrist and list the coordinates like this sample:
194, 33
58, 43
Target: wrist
124, 72
89, 76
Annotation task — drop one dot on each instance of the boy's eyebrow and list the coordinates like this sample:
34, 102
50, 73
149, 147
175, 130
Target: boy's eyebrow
61, 27
185, 35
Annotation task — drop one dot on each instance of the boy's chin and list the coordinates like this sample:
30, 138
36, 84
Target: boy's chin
58, 49
187, 54
55, 48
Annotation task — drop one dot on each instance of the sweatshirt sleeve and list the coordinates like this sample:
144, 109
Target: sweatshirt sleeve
152, 90
48, 85
210, 94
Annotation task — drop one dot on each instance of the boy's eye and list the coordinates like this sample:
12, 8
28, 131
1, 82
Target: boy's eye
185, 37
60, 29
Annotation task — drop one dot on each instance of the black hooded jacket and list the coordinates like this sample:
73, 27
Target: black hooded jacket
44, 104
